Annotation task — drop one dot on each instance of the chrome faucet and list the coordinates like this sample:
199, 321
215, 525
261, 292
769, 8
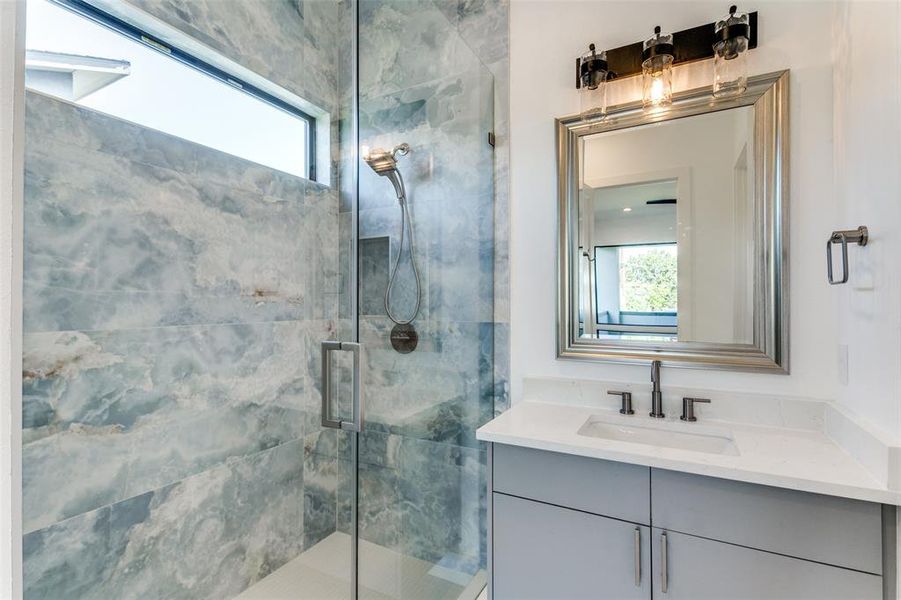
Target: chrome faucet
656, 394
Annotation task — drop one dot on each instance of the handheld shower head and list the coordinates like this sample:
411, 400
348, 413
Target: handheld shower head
384, 162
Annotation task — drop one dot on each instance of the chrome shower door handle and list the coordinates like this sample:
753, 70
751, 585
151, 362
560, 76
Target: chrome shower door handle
328, 420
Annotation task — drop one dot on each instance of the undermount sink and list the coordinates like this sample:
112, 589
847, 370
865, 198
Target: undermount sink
669, 435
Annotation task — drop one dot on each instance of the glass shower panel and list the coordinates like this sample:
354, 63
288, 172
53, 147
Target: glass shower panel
176, 295
421, 475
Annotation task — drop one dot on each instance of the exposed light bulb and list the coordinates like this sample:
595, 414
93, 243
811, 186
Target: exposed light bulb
657, 93
657, 70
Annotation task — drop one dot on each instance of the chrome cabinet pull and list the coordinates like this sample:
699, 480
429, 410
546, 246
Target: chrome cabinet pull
663, 581
637, 557
328, 420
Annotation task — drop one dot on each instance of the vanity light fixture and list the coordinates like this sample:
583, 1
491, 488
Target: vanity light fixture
730, 54
657, 70
627, 209
591, 79
727, 41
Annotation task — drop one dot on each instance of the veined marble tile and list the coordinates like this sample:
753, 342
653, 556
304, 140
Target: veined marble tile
501, 367
113, 243
209, 536
405, 43
380, 506
443, 505
442, 392
113, 414
323, 478
485, 26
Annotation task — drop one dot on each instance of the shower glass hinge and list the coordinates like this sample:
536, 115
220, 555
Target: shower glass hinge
491, 139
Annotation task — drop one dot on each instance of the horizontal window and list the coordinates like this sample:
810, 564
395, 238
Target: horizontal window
77, 53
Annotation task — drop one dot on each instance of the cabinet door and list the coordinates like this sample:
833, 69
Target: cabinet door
545, 552
698, 569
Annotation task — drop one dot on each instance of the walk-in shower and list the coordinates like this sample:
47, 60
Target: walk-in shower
177, 292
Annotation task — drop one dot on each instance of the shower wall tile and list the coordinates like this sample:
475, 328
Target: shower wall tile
440, 392
321, 50
374, 274
320, 490
501, 367
109, 415
443, 508
484, 26
175, 301
116, 243
208, 536
380, 506
406, 44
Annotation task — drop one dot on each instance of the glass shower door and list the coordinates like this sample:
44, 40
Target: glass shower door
184, 231
421, 472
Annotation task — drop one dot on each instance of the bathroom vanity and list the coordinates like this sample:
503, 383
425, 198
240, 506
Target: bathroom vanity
673, 250
576, 512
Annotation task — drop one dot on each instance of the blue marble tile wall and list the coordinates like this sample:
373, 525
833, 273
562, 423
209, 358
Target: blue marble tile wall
429, 78
175, 298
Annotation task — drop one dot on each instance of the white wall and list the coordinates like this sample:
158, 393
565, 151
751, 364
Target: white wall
542, 89
867, 166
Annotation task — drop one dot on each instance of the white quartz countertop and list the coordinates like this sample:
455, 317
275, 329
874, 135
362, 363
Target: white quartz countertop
788, 458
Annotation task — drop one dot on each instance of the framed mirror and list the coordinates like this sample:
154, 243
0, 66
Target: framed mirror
673, 231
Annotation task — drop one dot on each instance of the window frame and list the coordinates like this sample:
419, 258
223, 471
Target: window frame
99, 16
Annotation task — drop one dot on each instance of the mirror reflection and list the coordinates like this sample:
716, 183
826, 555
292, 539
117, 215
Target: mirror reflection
666, 242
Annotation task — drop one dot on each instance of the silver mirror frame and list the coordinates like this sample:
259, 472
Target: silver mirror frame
768, 94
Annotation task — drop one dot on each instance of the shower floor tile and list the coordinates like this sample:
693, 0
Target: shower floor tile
323, 573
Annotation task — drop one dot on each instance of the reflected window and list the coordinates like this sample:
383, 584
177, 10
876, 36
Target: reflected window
80, 54
647, 278
636, 289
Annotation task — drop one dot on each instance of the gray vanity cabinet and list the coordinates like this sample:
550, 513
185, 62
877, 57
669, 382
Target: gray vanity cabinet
543, 551
703, 569
567, 527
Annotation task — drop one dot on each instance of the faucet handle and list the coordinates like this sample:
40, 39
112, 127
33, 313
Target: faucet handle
626, 402
688, 408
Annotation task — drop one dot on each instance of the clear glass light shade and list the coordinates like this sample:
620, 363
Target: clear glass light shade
593, 83
730, 54
593, 102
657, 81
657, 70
